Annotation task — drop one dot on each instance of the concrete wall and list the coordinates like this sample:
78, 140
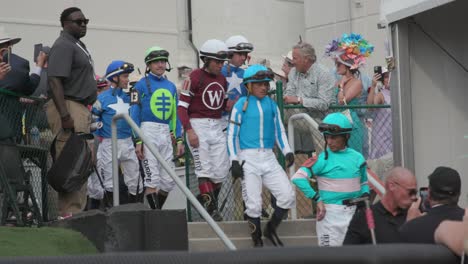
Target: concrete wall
273, 26
438, 92
327, 20
124, 30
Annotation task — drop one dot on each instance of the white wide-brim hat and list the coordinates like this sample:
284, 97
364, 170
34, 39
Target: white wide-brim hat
4, 38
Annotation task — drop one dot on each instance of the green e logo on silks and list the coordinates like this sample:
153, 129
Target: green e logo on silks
161, 104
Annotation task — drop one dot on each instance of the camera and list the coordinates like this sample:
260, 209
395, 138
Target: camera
425, 205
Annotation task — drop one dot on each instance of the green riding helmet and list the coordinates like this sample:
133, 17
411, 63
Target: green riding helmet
335, 124
156, 53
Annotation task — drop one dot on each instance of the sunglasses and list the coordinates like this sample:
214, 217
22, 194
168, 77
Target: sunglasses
261, 75
80, 21
243, 46
332, 129
411, 191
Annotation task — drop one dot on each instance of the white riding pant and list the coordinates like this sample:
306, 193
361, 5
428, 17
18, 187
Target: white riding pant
261, 167
155, 175
331, 230
211, 158
127, 160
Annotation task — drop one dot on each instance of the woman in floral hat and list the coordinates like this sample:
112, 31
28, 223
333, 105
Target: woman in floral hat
350, 53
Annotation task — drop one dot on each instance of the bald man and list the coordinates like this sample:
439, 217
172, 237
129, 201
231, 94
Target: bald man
389, 213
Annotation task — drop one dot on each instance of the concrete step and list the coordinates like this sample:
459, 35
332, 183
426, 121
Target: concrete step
215, 244
239, 229
291, 232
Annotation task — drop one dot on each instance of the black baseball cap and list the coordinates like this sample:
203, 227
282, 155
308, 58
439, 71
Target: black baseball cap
445, 180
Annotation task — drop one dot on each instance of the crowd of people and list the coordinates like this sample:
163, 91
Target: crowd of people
232, 126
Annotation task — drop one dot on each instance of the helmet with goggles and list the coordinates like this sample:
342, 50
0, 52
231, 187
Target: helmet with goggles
257, 73
335, 124
101, 82
156, 53
117, 68
214, 49
239, 43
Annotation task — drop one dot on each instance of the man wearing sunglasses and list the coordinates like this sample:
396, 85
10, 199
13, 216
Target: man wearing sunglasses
202, 102
254, 128
390, 213
155, 112
341, 174
72, 88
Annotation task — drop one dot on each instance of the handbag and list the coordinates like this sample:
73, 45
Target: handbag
73, 166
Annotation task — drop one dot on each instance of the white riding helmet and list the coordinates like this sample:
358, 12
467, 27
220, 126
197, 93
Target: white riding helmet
239, 43
214, 49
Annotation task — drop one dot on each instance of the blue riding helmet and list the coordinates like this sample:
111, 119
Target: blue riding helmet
257, 73
118, 67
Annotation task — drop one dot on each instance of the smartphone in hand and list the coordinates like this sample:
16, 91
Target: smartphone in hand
378, 70
425, 205
37, 50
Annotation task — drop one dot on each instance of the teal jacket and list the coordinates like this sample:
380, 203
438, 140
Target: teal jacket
342, 176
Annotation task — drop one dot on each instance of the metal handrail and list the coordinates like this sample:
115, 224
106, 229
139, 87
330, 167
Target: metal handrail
115, 172
312, 125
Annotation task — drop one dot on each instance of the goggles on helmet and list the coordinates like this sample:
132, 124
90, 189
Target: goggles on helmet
157, 54
222, 55
242, 47
333, 129
261, 75
126, 67
101, 82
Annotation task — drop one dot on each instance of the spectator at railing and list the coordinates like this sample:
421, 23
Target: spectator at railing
282, 74
379, 93
389, 213
444, 192
18, 79
309, 84
9, 120
350, 53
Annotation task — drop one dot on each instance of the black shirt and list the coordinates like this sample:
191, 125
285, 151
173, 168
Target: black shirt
421, 230
386, 226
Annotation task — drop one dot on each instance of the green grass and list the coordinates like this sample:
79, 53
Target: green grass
45, 241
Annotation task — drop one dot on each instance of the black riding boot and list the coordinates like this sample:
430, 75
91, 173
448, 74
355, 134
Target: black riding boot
93, 204
255, 231
108, 199
156, 200
135, 198
210, 203
272, 225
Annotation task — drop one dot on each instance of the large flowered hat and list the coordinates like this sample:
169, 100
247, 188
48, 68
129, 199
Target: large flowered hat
351, 50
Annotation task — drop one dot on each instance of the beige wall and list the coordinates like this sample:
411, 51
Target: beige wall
327, 20
121, 29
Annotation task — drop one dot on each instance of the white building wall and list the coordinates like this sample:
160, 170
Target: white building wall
438, 92
327, 20
121, 29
